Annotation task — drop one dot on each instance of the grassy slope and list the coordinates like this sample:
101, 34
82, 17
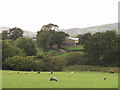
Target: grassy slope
74, 47
65, 80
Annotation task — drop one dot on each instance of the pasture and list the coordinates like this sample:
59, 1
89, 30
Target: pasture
65, 80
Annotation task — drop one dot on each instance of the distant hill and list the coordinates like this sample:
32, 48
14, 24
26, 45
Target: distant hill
93, 29
75, 31
29, 34
2, 28
26, 33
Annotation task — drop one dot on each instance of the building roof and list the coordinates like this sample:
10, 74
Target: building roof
72, 38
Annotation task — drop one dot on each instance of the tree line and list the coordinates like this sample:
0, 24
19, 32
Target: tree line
20, 53
101, 48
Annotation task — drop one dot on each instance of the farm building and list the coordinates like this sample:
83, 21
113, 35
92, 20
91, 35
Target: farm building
71, 41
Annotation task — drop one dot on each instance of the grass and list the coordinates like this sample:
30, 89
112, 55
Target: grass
62, 55
90, 68
41, 52
74, 47
65, 80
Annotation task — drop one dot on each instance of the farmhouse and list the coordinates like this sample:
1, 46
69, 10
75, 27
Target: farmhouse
71, 41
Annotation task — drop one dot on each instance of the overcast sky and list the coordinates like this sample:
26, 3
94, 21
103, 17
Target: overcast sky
33, 14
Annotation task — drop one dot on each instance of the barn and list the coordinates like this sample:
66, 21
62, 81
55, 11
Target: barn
71, 41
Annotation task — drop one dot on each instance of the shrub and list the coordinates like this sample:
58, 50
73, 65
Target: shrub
27, 44
9, 50
75, 58
19, 63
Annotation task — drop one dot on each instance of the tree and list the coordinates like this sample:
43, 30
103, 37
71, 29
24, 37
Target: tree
102, 48
83, 38
76, 58
49, 27
58, 38
19, 63
12, 33
9, 50
43, 40
49, 36
5, 35
27, 44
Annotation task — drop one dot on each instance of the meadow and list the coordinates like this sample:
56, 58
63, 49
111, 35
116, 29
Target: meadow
65, 80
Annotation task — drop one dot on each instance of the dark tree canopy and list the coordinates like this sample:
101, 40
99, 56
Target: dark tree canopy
83, 38
50, 36
27, 45
12, 33
10, 50
102, 48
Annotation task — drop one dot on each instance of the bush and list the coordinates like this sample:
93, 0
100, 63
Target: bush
59, 64
20, 63
9, 50
76, 58
27, 44
48, 63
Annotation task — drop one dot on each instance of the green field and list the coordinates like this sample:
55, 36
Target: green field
65, 80
74, 47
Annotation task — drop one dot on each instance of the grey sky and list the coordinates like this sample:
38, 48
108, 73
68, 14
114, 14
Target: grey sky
32, 14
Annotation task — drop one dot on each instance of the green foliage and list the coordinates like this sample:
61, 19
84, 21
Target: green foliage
46, 63
83, 38
74, 47
43, 40
9, 50
12, 33
102, 49
21, 63
27, 44
52, 64
5, 35
58, 38
48, 37
76, 58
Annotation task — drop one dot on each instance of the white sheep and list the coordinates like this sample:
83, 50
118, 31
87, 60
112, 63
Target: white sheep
26, 73
72, 72
49, 73
105, 78
53, 79
9, 73
18, 73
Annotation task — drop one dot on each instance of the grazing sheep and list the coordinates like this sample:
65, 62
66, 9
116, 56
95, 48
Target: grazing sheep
72, 72
9, 73
88, 70
53, 79
111, 71
18, 73
38, 72
105, 78
26, 73
31, 70
51, 72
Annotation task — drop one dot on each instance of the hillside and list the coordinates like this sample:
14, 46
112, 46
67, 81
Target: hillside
75, 31
93, 29
26, 33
